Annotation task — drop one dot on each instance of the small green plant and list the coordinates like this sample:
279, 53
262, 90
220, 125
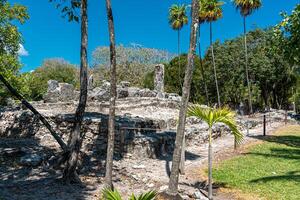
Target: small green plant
109, 194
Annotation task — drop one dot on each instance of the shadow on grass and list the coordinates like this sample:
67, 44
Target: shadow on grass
290, 176
289, 140
290, 154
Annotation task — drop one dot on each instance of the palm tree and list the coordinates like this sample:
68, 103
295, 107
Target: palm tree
113, 96
109, 194
210, 11
246, 7
211, 117
177, 19
174, 177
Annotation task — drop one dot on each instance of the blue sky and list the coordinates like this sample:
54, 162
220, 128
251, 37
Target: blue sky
47, 35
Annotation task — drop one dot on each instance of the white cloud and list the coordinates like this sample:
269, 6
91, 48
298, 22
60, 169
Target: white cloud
22, 51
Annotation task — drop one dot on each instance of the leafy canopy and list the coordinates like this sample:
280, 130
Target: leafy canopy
246, 7
210, 10
177, 16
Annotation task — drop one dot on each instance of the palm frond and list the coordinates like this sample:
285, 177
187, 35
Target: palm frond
213, 116
147, 196
177, 16
109, 194
210, 10
246, 7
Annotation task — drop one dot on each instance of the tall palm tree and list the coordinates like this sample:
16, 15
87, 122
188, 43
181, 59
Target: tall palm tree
247, 7
174, 177
211, 117
200, 57
113, 96
177, 19
210, 11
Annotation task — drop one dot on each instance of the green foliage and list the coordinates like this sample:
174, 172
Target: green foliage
115, 195
133, 63
68, 8
270, 169
177, 16
52, 69
210, 10
216, 115
10, 44
288, 32
246, 7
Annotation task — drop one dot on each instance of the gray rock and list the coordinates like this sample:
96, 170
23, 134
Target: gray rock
199, 196
159, 79
52, 85
125, 84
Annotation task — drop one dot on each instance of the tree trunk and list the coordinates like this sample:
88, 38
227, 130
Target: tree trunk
210, 165
113, 96
173, 182
15, 93
201, 68
179, 67
246, 67
214, 64
70, 174
182, 158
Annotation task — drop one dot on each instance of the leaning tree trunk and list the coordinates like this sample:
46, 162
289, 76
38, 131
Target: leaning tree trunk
70, 174
246, 66
113, 96
214, 64
201, 68
210, 165
173, 182
15, 93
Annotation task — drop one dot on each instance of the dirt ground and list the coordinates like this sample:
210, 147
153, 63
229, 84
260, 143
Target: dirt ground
130, 175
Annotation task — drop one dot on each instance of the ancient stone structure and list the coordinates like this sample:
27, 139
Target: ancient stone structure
60, 92
159, 80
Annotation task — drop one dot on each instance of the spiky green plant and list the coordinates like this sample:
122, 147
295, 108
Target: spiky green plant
109, 194
247, 7
210, 11
212, 116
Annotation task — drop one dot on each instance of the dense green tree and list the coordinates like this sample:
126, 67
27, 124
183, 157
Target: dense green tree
10, 44
51, 69
246, 8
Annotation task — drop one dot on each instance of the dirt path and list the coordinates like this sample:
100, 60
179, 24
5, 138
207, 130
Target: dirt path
129, 175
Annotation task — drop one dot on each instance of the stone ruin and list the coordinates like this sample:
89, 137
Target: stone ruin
146, 120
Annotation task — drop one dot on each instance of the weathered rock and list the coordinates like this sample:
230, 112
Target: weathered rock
59, 92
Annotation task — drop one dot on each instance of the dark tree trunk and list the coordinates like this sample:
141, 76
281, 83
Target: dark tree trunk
113, 96
173, 182
201, 68
15, 93
246, 66
70, 174
214, 64
210, 164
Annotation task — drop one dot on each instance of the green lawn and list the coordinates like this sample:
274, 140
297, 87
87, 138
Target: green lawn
270, 170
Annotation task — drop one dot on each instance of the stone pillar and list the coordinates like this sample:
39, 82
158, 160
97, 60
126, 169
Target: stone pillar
159, 79
91, 82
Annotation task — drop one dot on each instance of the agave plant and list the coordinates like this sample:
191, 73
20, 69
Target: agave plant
109, 194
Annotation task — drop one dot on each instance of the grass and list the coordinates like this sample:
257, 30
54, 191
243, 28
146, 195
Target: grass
270, 170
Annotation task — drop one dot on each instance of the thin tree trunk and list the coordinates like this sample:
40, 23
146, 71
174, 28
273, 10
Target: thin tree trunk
246, 66
70, 174
15, 93
210, 165
173, 182
179, 67
182, 158
201, 67
113, 96
214, 64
